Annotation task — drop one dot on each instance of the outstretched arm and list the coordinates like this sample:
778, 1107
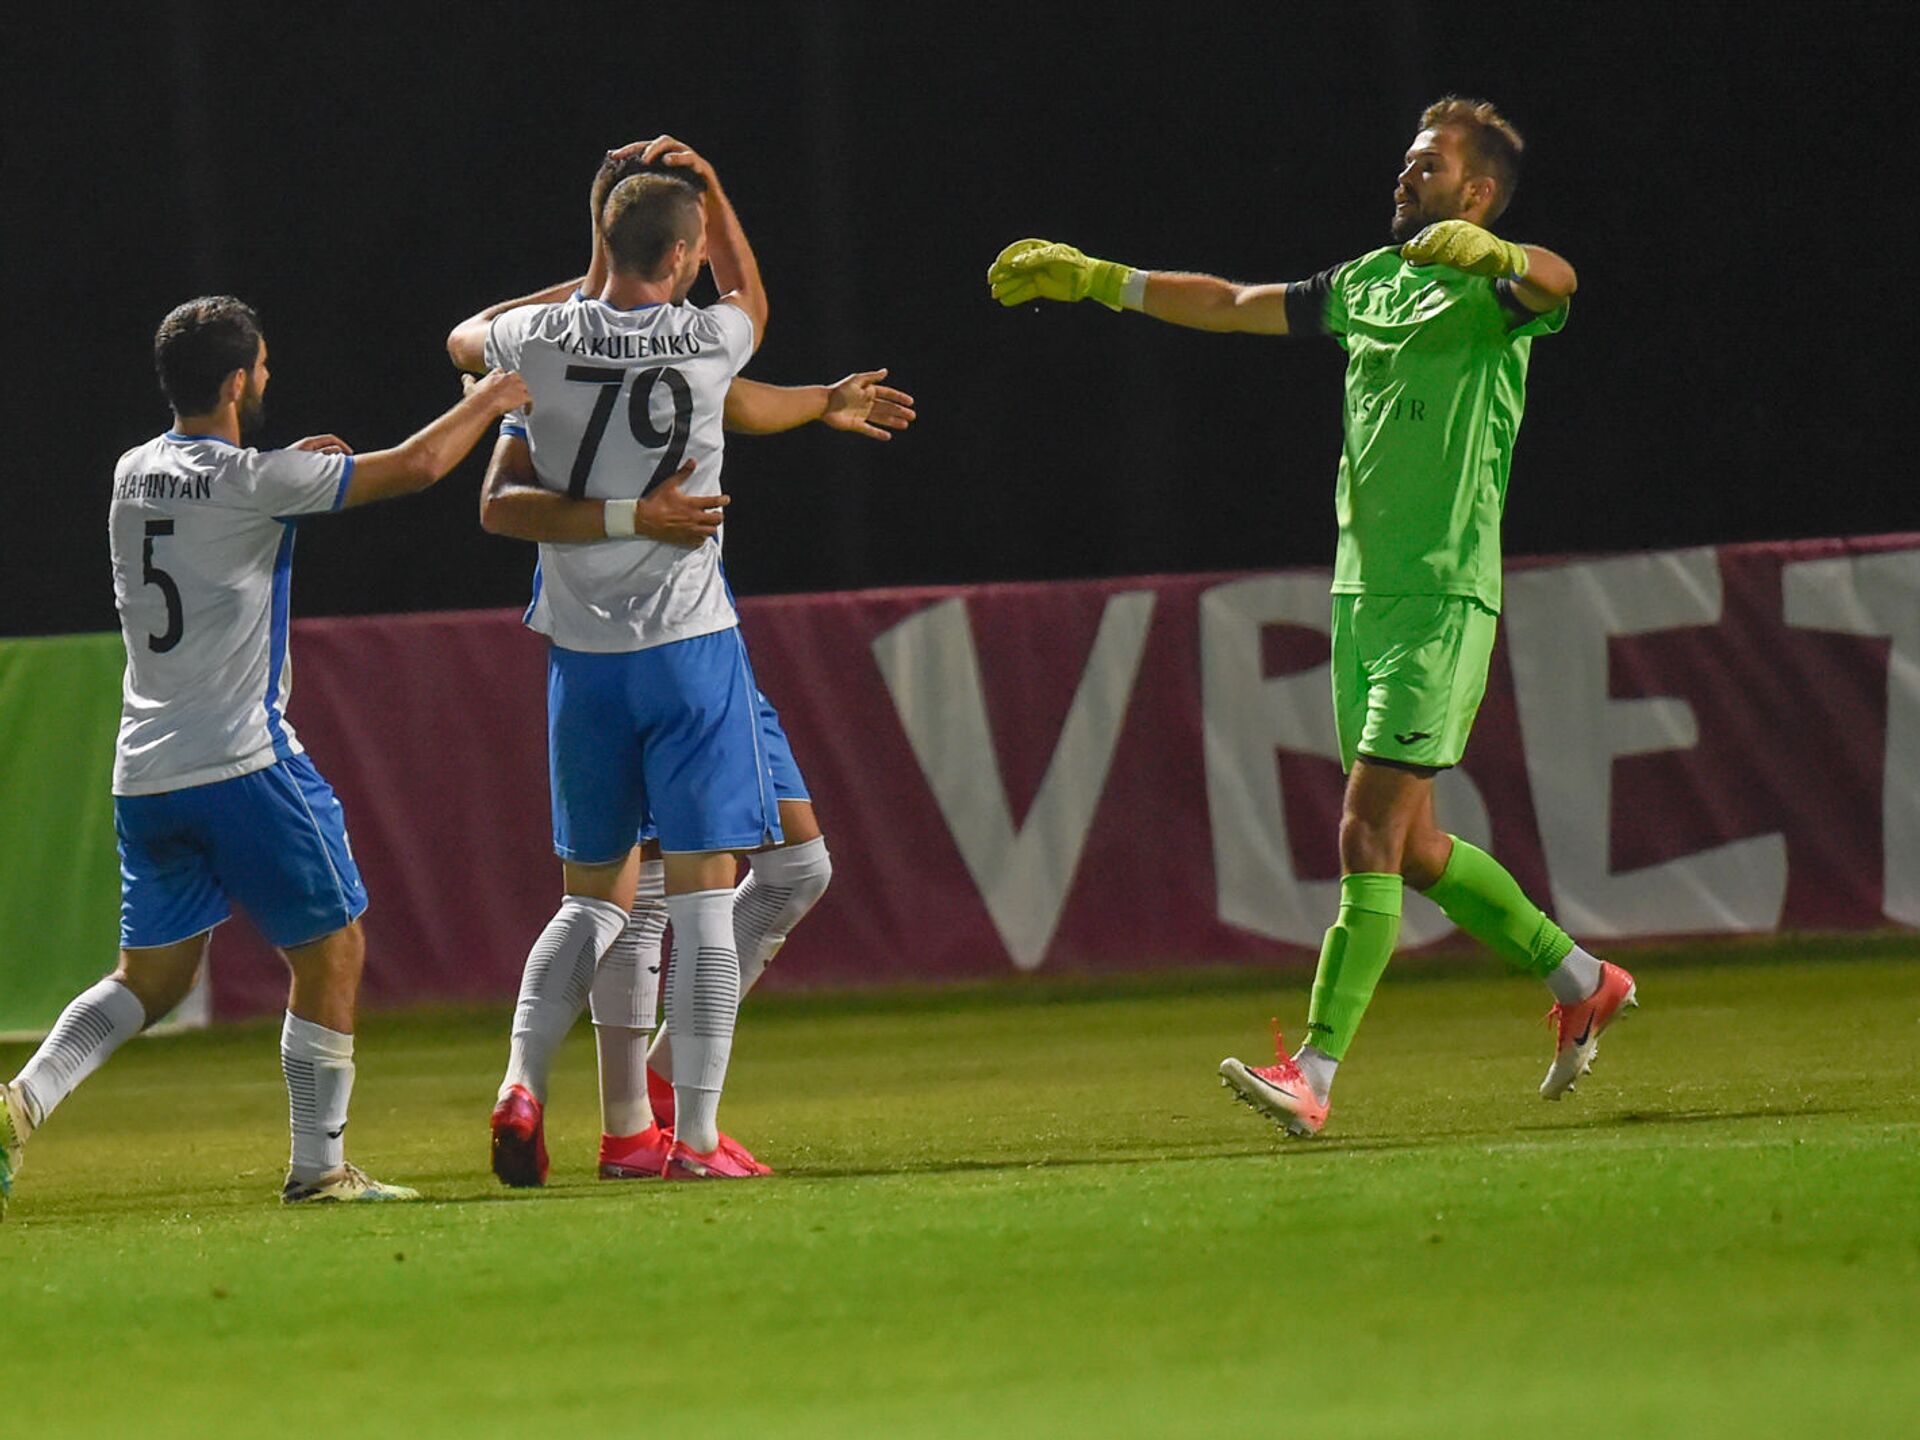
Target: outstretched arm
859, 403
432, 451
513, 503
1045, 270
467, 342
1206, 302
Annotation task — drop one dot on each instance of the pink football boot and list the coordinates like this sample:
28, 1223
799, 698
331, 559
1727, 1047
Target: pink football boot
1576, 1029
519, 1139
1278, 1091
635, 1157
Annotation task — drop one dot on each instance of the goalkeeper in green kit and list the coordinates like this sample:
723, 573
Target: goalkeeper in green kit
1437, 328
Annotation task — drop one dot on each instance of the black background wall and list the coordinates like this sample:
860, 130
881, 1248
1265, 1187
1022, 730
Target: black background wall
1734, 182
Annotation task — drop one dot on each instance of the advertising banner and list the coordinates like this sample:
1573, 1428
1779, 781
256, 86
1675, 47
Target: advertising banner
1088, 777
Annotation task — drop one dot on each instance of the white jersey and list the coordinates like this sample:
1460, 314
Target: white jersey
202, 540
620, 399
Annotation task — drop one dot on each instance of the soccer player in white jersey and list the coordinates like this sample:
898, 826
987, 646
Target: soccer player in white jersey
652, 709
215, 800
786, 880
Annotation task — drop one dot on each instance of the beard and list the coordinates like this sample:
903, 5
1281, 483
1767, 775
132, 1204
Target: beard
1422, 213
252, 411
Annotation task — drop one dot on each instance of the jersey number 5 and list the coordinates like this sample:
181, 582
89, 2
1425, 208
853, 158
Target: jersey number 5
152, 574
639, 419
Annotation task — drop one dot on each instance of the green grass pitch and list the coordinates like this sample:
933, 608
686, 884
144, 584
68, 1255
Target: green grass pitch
1027, 1211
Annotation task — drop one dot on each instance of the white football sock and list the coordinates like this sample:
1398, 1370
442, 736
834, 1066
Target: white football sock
1574, 978
1318, 1067
780, 888
554, 986
703, 996
94, 1025
626, 990
318, 1064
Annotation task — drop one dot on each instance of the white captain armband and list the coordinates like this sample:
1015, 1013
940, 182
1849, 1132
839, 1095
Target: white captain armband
619, 521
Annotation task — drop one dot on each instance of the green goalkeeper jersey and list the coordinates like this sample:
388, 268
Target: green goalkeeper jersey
1436, 383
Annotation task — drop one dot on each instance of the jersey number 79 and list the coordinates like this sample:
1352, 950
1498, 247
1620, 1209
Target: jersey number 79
639, 419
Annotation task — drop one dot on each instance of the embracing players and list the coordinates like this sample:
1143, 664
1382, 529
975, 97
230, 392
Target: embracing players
1438, 328
215, 799
654, 719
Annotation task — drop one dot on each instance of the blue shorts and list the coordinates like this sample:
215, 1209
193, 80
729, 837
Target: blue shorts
670, 733
788, 783
274, 840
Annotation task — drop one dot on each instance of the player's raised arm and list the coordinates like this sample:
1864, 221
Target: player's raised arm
1046, 270
467, 341
514, 504
429, 453
735, 271
859, 404
1542, 281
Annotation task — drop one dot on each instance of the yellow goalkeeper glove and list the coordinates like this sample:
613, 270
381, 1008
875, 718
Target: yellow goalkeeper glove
1462, 245
1045, 270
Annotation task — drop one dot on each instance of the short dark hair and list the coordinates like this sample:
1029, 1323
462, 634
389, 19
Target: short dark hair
199, 345
645, 213
1493, 146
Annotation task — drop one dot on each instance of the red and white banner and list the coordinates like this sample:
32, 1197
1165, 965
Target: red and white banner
1127, 774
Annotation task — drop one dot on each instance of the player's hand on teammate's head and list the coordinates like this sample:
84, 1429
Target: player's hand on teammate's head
665, 150
499, 390
323, 444
862, 405
1463, 245
671, 515
1047, 270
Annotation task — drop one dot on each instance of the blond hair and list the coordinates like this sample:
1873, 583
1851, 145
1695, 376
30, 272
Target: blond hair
644, 216
1492, 145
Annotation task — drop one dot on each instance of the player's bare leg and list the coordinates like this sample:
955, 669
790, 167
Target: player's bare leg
316, 1056
148, 983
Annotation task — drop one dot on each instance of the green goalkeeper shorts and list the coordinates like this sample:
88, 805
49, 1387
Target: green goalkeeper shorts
1409, 672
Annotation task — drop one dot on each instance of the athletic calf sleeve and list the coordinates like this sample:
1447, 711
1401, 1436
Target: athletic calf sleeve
1352, 958
626, 986
1479, 896
703, 997
318, 1065
96, 1023
626, 990
554, 986
779, 890
782, 886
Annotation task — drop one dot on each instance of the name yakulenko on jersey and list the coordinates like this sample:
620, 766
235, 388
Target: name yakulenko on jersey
627, 347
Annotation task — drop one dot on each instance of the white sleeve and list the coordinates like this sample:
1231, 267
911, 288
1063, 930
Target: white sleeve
507, 336
731, 328
296, 482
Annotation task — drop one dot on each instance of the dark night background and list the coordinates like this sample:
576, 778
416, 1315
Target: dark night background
1733, 182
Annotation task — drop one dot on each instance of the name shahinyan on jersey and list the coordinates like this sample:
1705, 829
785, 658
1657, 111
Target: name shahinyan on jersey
163, 486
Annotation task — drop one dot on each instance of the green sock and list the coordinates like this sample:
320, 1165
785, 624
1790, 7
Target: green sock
1481, 898
1352, 959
